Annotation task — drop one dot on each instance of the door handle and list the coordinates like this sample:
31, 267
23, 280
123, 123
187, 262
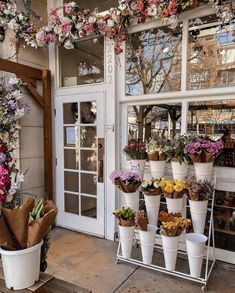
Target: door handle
101, 160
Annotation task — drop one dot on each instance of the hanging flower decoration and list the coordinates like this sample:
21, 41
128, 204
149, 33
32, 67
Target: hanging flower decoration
68, 23
12, 109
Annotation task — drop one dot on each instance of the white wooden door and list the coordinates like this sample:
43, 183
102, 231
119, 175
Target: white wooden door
80, 162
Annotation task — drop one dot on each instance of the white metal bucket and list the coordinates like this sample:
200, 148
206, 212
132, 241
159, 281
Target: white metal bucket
175, 205
126, 235
138, 166
179, 171
152, 203
203, 171
147, 240
195, 248
170, 249
21, 267
132, 200
198, 210
157, 169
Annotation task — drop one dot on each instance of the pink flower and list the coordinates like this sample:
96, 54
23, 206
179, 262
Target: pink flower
172, 7
53, 12
152, 2
165, 12
52, 38
88, 27
65, 27
140, 5
118, 50
68, 8
52, 20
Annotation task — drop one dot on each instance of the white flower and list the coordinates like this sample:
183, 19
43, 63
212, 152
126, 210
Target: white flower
79, 25
21, 178
68, 44
110, 23
156, 184
92, 19
149, 182
21, 17
13, 80
66, 20
144, 184
57, 30
12, 191
19, 113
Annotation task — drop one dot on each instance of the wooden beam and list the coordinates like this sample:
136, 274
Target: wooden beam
47, 119
20, 69
33, 91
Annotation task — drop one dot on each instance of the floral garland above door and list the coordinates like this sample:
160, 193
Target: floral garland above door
69, 23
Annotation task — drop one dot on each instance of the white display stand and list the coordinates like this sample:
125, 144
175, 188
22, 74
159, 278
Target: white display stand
209, 255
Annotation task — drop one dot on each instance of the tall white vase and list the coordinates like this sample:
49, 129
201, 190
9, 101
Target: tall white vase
170, 249
157, 168
126, 235
132, 199
147, 240
203, 171
175, 205
198, 210
21, 267
179, 171
195, 244
138, 166
152, 203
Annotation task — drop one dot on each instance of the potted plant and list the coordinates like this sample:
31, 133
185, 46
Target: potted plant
174, 191
172, 226
129, 183
157, 149
202, 151
152, 195
199, 193
147, 234
126, 224
177, 156
135, 150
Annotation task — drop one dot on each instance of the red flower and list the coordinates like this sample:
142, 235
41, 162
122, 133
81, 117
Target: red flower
118, 50
165, 12
140, 5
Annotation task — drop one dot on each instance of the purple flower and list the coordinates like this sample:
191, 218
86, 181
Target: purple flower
3, 158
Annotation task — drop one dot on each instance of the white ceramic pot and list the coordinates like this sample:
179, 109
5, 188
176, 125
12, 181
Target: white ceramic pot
203, 171
21, 267
132, 200
147, 240
138, 166
152, 203
157, 169
195, 244
198, 210
175, 205
179, 171
170, 249
126, 235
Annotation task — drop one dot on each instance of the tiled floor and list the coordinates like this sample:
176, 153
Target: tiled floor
91, 263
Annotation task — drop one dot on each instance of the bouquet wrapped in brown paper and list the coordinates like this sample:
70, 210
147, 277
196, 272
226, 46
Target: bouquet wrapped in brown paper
151, 187
157, 149
126, 181
125, 217
173, 224
173, 188
141, 220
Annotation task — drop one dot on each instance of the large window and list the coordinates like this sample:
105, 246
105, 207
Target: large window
153, 61
211, 54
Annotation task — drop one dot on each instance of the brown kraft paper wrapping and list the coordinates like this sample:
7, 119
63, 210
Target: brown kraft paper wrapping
6, 239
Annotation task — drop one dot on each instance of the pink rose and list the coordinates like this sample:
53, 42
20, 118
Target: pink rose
165, 12
152, 2
53, 12
118, 50
140, 5
65, 27
88, 27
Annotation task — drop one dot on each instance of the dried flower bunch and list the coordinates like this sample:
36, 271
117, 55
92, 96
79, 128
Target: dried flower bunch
173, 188
199, 190
125, 180
203, 149
141, 220
157, 148
125, 217
173, 224
151, 187
135, 150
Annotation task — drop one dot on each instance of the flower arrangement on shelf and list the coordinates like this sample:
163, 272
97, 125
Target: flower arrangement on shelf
157, 148
141, 220
135, 150
126, 181
203, 149
151, 187
173, 188
125, 217
198, 190
173, 224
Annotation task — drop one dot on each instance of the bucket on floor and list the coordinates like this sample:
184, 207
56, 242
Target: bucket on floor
21, 267
170, 249
126, 235
195, 249
147, 240
175, 205
152, 203
132, 199
157, 169
198, 210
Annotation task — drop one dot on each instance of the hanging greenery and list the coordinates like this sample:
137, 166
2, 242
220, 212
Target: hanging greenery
68, 23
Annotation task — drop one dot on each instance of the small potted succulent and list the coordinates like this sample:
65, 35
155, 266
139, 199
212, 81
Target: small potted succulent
135, 150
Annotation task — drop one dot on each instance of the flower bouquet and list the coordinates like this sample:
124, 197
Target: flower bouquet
174, 191
126, 224
152, 195
147, 234
172, 226
136, 152
199, 192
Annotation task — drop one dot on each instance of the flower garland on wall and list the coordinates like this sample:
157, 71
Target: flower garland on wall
67, 24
